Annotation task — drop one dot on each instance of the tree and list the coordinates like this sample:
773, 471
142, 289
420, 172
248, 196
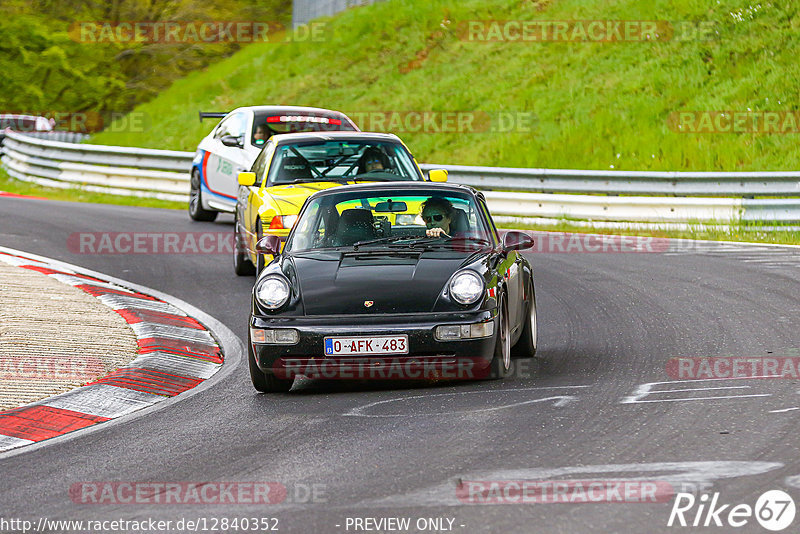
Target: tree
49, 65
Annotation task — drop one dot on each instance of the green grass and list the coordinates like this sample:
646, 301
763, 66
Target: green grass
11, 185
745, 233
597, 105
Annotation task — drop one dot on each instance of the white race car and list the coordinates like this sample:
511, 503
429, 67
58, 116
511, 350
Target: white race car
237, 140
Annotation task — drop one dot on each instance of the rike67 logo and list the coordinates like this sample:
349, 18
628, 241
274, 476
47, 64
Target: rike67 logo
774, 510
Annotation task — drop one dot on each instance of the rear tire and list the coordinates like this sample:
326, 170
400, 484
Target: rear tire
526, 345
196, 210
501, 363
265, 382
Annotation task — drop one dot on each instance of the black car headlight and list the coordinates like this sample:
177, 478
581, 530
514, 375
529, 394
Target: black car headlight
272, 291
466, 287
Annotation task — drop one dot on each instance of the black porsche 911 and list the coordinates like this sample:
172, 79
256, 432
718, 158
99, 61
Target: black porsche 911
397, 280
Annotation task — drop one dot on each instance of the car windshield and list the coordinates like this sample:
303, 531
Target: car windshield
367, 160
266, 124
367, 220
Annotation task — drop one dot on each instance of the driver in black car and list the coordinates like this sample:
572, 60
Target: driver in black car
373, 159
437, 214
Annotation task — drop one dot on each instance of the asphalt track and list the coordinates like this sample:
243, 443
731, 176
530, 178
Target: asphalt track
609, 324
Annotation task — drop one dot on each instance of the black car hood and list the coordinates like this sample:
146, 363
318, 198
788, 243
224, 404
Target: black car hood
371, 282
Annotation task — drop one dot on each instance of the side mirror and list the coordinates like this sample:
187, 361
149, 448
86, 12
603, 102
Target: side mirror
229, 140
437, 175
514, 240
247, 178
269, 244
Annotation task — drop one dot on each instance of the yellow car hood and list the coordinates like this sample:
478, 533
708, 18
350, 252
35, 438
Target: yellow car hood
288, 199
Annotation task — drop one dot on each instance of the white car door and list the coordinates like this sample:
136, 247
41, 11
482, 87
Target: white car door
226, 162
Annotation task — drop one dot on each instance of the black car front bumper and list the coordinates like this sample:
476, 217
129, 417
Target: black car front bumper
427, 358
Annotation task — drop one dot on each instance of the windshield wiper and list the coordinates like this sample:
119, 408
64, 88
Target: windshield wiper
302, 181
450, 242
388, 239
424, 241
471, 239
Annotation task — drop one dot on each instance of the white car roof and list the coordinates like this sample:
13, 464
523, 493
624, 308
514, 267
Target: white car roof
334, 135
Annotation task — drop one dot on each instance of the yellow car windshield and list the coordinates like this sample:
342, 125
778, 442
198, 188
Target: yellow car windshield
341, 161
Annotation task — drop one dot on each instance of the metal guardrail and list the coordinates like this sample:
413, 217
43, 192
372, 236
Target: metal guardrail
141, 158
67, 137
56, 135
679, 197
141, 172
653, 198
744, 184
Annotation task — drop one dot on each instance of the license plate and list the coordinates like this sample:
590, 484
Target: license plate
347, 346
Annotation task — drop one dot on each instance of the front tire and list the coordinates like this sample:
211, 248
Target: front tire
501, 363
242, 265
260, 260
196, 210
265, 382
526, 345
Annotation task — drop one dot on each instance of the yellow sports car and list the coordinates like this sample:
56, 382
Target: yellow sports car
291, 167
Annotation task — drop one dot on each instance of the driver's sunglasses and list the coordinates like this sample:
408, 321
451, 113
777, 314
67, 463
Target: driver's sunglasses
428, 218
373, 161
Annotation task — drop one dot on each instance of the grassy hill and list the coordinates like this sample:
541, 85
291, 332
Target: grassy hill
597, 105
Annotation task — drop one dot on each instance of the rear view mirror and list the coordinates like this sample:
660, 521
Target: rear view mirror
247, 178
514, 240
391, 207
437, 175
269, 244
